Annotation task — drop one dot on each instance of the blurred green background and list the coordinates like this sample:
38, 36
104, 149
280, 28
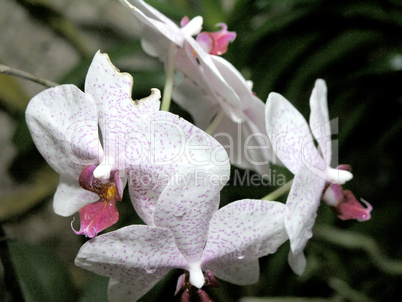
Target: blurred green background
282, 46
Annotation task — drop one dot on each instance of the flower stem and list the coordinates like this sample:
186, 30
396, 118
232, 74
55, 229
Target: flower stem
215, 122
25, 75
167, 90
279, 192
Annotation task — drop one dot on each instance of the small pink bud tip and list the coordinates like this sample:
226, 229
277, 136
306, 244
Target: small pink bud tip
184, 21
353, 209
345, 167
216, 43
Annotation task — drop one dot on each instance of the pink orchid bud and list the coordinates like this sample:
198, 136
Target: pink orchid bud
184, 21
345, 204
216, 43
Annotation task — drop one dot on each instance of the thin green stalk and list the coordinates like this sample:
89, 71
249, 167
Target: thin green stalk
167, 90
279, 192
215, 122
353, 240
25, 75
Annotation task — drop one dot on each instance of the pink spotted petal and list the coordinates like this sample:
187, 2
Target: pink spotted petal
301, 208
178, 150
290, 136
134, 257
236, 271
256, 229
352, 209
96, 217
186, 208
240, 233
63, 124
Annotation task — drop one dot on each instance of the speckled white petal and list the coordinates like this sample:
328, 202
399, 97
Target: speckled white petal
319, 119
185, 207
290, 135
239, 272
70, 197
171, 147
63, 124
137, 255
120, 118
111, 91
301, 208
245, 230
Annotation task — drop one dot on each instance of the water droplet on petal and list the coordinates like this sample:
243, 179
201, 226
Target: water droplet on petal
259, 247
179, 214
150, 270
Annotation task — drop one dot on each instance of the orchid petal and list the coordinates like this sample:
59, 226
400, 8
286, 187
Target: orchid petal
301, 208
191, 97
333, 195
234, 79
70, 197
206, 41
256, 151
193, 27
297, 262
156, 27
319, 119
135, 257
96, 217
239, 272
290, 135
63, 124
173, 148
245, 230
200, 67
111, 91
185, 207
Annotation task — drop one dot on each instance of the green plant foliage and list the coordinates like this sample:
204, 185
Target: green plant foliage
41, 275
